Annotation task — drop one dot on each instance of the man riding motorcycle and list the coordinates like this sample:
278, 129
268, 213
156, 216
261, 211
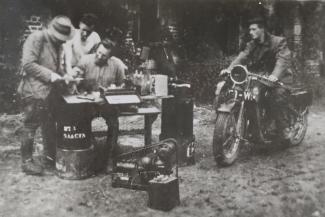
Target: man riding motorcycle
268, 55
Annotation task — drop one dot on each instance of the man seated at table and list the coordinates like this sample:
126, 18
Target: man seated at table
99, 70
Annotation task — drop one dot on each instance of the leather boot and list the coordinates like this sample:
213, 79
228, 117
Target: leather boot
287, 133
31, 168
48, 165
28, 166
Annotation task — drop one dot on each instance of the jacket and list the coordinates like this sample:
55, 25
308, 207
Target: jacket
40, 58
269, 57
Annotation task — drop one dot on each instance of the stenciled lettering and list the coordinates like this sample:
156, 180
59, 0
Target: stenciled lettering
74, 135
248, 95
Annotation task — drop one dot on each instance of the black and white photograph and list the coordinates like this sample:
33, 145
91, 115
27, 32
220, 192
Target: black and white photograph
153, 108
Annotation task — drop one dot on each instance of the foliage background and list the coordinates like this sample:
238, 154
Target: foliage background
203, 58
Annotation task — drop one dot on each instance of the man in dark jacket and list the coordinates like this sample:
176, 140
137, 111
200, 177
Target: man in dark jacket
265, 53
42, 66
269, 55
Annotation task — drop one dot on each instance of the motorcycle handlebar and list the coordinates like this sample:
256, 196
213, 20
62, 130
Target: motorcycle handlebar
227, 72
279, 83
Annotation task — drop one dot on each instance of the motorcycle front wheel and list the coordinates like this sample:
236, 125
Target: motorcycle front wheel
225, 143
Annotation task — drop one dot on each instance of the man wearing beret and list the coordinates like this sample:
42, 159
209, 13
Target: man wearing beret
42, 66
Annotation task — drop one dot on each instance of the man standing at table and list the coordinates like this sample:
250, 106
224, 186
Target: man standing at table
42, 67
101, 70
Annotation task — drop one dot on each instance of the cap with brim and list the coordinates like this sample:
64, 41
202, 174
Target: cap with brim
61, 28
257, 20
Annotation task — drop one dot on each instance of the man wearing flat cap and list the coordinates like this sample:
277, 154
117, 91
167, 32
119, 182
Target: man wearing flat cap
269, 55
42, 66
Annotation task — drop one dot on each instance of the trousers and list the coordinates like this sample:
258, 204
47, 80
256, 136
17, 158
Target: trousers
279, 99
38, 113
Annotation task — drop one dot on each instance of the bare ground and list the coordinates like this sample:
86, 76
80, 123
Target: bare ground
269, 182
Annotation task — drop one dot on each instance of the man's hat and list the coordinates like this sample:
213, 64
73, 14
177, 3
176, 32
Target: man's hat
61, 28
257, 20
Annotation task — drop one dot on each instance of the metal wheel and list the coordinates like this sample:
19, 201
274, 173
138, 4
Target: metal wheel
225, 143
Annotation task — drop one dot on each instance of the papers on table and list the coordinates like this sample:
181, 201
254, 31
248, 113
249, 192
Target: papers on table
122, 99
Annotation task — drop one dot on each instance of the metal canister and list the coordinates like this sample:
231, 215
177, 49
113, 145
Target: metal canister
177, 114
74, 126
177, 120
75, 164
74, 152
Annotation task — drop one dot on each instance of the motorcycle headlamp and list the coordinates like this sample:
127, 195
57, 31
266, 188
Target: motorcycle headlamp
238, 74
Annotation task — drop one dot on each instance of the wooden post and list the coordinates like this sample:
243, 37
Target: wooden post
148, 121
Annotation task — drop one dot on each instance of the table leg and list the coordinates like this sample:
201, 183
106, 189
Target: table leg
148, 121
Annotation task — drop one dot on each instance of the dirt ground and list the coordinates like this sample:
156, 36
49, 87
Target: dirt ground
269, 182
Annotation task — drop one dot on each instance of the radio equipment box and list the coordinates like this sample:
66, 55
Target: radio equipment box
163, 193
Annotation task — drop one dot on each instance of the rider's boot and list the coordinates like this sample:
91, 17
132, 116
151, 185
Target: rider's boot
28, 165
287, 133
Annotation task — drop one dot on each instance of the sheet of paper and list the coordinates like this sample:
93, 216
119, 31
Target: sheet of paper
122, 99
151, 110
75, 99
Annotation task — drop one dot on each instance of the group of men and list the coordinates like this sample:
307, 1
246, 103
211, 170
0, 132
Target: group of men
58, 54
61, 52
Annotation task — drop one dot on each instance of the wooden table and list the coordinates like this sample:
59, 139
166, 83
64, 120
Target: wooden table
150, 113
150, 118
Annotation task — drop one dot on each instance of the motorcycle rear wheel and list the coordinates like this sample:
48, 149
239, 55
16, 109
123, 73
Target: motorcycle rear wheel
225, 143
300, 129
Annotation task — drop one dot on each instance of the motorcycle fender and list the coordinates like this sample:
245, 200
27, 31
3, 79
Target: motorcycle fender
217, 93
226, 107
219, 87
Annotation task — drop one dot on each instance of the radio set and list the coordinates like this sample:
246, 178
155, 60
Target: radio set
135, 169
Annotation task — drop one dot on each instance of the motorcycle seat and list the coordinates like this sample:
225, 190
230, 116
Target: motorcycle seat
297, 90
301, 96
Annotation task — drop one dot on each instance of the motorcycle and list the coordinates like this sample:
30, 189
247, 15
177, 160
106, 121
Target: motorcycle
243, 113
